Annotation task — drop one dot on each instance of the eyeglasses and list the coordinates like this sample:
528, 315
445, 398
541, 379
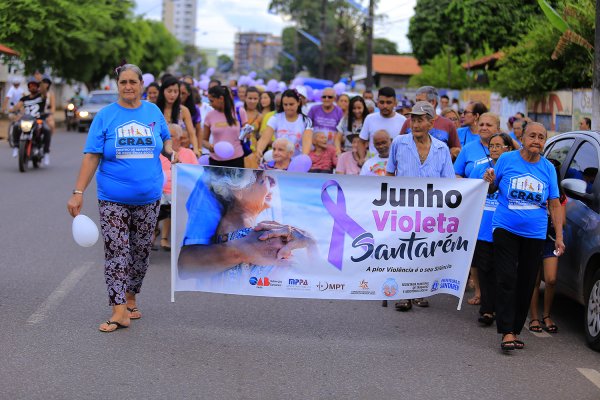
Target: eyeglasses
468, 112
497, 146
326, 97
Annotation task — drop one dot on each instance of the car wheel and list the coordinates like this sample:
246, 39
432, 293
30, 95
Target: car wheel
592, 314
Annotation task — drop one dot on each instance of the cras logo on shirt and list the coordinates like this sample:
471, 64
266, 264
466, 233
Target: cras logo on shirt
134, 140
526, 192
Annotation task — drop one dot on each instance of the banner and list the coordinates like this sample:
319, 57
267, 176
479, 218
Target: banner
282, 234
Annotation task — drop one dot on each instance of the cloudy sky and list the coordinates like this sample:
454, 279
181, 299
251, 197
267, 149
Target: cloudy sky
219, 20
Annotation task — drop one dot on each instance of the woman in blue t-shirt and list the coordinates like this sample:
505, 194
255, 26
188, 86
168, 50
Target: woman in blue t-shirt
527, 186
122, 149
468, 132
483, 257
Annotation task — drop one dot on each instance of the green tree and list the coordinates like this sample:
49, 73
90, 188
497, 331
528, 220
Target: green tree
473, 23
161, 48
82, 41
224, 63
528, 69
343, 29
380, 46
435, 72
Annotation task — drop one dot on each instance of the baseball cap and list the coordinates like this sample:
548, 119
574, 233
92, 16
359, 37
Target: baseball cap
423, 108
302, 91
15, 80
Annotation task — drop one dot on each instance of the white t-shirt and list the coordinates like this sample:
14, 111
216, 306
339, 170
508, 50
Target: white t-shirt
292, 131
374, 166
14, 95
375, 122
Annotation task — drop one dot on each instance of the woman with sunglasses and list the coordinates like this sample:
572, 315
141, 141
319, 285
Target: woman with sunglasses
483, 258
289, 123
471, 115
223, 124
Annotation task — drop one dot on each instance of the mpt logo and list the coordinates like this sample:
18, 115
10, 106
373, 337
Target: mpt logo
323, 286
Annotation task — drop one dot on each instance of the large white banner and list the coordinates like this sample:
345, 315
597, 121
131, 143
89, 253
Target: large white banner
282, 234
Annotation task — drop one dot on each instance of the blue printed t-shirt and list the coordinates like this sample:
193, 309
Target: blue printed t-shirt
472, 155
514, 137
466, 136
491, 202
524, 189
130, 142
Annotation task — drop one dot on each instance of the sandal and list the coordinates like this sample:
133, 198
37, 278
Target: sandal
135, 310
474, 301
421, 302
535, 328
403, 305
115, 323
166, 246
552, 328
519, 344
507, 345
486, 319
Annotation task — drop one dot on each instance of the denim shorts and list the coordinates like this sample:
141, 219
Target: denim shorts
548, 249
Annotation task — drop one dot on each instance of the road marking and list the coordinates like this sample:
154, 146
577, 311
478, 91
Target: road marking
592, 375
542, 334
58, 294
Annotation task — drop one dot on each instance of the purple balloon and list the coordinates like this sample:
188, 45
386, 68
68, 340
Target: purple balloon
210, 72
224, 150
339, 88
203, 160
147, 79
272, 85
203, 84
301, 163
252, 75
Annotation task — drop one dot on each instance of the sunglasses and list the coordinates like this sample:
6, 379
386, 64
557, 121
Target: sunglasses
327, 97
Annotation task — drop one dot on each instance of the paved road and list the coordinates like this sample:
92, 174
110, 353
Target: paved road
209, 346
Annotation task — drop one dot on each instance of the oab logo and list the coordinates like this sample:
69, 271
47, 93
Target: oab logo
323, 286
435, 285
260, 282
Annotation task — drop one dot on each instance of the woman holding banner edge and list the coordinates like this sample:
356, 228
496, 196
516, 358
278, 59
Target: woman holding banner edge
527, 186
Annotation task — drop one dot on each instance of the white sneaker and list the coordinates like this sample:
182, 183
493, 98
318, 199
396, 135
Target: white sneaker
46, 160
15, 152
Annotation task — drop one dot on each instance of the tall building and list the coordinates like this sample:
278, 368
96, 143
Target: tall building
256, 51
179, 16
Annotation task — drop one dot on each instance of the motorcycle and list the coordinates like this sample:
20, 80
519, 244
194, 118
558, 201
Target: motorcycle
30, 131
70, 119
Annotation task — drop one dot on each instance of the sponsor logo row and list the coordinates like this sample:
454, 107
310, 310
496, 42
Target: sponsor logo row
389, 288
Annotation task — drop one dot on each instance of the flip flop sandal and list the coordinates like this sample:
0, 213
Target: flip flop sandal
474, 301
421, 302
115, 323
552, 328
508, 345
535, 328
519, 345
403, 305
134, 310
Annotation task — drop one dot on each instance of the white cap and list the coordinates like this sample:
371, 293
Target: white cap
15, 80
302, 91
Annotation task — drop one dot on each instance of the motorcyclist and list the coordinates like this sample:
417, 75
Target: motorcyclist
33, 104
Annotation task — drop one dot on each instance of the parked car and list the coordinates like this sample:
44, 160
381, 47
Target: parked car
579, 268
97, 100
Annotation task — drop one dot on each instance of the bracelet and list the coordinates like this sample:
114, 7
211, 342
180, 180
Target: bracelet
77, 191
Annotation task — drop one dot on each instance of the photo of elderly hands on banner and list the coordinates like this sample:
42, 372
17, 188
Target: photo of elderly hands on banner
281, 234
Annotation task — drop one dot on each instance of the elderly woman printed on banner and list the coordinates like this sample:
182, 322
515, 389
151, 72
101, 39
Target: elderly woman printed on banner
224, 245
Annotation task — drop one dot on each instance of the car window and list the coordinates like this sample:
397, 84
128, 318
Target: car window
559, 150
584, 165
102, 98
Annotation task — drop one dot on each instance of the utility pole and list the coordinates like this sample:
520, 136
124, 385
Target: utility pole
322, 48
369, 81
596, 82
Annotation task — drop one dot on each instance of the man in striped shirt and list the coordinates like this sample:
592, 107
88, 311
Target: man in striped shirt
418, 154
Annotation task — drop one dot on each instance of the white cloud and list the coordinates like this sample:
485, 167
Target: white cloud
219, 20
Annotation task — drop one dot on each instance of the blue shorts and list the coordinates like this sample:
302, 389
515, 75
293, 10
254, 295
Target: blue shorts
548, 249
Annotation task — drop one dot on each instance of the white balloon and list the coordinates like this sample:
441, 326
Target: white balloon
85, 231
268, 156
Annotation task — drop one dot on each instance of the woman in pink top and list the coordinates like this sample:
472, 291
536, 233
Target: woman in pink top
348, 161
223, 124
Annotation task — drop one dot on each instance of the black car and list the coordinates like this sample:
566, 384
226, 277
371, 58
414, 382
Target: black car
579, 268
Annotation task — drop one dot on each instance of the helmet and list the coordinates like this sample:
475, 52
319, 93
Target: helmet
32, 80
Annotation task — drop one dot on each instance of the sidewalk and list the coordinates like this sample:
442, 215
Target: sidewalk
59, 117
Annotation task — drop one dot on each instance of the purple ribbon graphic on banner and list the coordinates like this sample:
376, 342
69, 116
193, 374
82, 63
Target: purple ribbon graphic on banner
342, 223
